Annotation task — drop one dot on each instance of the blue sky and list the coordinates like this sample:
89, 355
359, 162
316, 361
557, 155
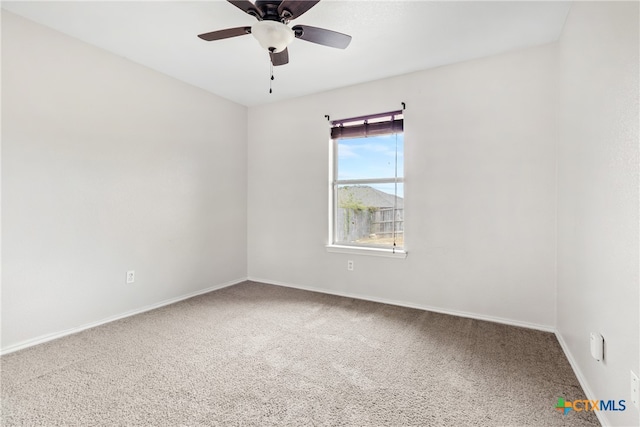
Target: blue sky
373, 157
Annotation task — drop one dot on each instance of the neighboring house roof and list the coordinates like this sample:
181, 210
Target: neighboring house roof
368, 197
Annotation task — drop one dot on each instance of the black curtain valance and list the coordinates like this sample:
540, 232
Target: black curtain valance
372, 125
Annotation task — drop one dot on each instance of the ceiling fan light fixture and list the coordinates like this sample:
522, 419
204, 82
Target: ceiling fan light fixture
272, 35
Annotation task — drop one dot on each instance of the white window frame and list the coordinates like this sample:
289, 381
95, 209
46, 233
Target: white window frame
334, 183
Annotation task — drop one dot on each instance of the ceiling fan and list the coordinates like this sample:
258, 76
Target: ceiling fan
272, 30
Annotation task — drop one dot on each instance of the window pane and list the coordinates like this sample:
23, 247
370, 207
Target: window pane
370, 158
370, 215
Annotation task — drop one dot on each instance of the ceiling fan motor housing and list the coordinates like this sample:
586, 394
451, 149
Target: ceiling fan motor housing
269, 9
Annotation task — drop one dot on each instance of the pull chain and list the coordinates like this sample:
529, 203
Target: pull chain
272, 78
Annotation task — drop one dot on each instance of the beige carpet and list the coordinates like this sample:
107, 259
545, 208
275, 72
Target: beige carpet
255, 354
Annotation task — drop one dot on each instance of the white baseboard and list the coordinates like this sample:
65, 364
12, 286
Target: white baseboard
476, 316
581, 379
49, 337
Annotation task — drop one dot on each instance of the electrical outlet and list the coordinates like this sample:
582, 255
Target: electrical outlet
350, 265
131, 276
635, 390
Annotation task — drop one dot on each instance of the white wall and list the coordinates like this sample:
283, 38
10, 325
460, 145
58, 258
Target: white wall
108, 166
480, 190
598, 197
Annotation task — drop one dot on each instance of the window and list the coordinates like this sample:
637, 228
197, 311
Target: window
367, 191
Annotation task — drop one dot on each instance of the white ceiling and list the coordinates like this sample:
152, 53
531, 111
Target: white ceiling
389, 38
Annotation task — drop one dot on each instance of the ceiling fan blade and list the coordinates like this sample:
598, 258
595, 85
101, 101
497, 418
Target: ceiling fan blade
247, 7
225, 34
295, 8
280, 58
322, 36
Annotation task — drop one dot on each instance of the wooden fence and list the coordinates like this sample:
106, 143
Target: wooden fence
365, 225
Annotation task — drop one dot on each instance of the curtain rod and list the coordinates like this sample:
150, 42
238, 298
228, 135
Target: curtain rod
370, 116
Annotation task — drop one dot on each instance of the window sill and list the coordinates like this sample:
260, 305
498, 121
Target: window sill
355, 250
